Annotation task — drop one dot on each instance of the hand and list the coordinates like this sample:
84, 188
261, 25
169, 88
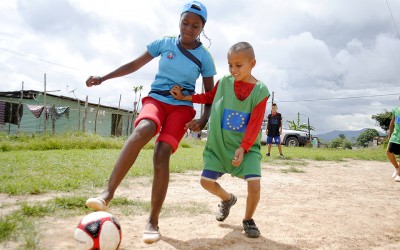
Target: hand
176, 92
93, 80
195, 125
238, 158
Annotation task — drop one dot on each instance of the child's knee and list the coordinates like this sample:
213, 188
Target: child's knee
254, 187
206, 184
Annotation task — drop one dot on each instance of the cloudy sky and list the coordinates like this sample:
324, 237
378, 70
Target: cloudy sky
335, 62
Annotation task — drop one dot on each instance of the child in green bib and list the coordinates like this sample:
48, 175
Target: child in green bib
233, 143
393, 148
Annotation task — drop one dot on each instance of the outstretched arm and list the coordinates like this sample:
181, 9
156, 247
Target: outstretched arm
121, 71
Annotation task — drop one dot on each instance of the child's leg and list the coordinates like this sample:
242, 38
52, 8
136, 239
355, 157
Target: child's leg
253, 197
392, 159
161, 158
391, 150
145, 128
280, 148
208, 182
141, 135
167, 142
269, 142
214, 188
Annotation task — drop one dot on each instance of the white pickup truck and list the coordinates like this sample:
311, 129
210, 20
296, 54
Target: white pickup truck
289, 137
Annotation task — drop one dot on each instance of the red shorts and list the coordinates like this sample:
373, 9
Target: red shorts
170, 119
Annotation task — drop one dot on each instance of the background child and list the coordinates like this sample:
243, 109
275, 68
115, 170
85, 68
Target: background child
274, 129
161, 113
233, 143
394, 142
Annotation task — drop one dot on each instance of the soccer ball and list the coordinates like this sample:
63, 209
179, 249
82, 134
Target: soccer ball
98, 231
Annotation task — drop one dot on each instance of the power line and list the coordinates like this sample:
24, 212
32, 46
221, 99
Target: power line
62, 65
340, 98
39, 59
398, 36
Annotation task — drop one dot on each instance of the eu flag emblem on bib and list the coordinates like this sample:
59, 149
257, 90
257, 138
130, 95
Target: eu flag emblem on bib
235, 120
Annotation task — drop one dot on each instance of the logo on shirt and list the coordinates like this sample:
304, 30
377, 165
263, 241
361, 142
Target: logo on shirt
170, 55
235, 120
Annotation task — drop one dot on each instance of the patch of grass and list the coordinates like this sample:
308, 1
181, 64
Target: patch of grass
15, 225
292, 170
31, 235
70, 202
330, 154
37, 210
8, 228
71, 140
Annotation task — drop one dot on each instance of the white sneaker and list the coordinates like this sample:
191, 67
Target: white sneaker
394, 173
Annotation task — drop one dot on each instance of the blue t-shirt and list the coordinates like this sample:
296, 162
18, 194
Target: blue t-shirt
175, 68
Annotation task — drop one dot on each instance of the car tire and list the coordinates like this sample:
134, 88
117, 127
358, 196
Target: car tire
292, 141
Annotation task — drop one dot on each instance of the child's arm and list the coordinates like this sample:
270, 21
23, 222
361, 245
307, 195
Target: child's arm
253, 128
204, 98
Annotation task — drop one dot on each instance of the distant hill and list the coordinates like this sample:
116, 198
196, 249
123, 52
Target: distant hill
350, 135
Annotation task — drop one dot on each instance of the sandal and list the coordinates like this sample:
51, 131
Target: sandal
150, 237
97, 204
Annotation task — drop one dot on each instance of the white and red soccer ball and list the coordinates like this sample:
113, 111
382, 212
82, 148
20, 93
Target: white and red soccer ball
98, 231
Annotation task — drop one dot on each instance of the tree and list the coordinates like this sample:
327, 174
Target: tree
383, 119
342, 136
366, 136
136, 89
297, 126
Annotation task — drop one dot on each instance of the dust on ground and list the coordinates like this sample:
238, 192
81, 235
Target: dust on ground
331, 205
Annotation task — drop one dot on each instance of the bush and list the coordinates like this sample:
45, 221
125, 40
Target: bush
340, 143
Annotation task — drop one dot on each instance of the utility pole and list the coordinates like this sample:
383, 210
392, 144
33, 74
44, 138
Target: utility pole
44, 100
19, 106
272, 100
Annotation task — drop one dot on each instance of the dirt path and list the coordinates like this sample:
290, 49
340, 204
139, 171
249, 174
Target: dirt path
345, 205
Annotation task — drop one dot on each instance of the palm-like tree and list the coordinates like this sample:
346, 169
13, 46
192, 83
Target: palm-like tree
297, 126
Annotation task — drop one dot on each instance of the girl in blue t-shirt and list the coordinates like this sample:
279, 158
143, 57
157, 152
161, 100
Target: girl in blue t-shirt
161, 114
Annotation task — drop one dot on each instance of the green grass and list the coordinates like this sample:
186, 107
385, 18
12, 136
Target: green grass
8, 226
292, 170
74, 140
326, 154
35, 172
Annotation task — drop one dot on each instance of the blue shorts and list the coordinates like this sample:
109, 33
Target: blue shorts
276, 139
213, 175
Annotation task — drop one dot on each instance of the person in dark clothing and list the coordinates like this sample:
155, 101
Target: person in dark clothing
274, 130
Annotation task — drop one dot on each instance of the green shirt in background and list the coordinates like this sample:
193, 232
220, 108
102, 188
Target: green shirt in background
395, 137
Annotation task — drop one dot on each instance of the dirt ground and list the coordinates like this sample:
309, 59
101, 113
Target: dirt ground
332, 205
